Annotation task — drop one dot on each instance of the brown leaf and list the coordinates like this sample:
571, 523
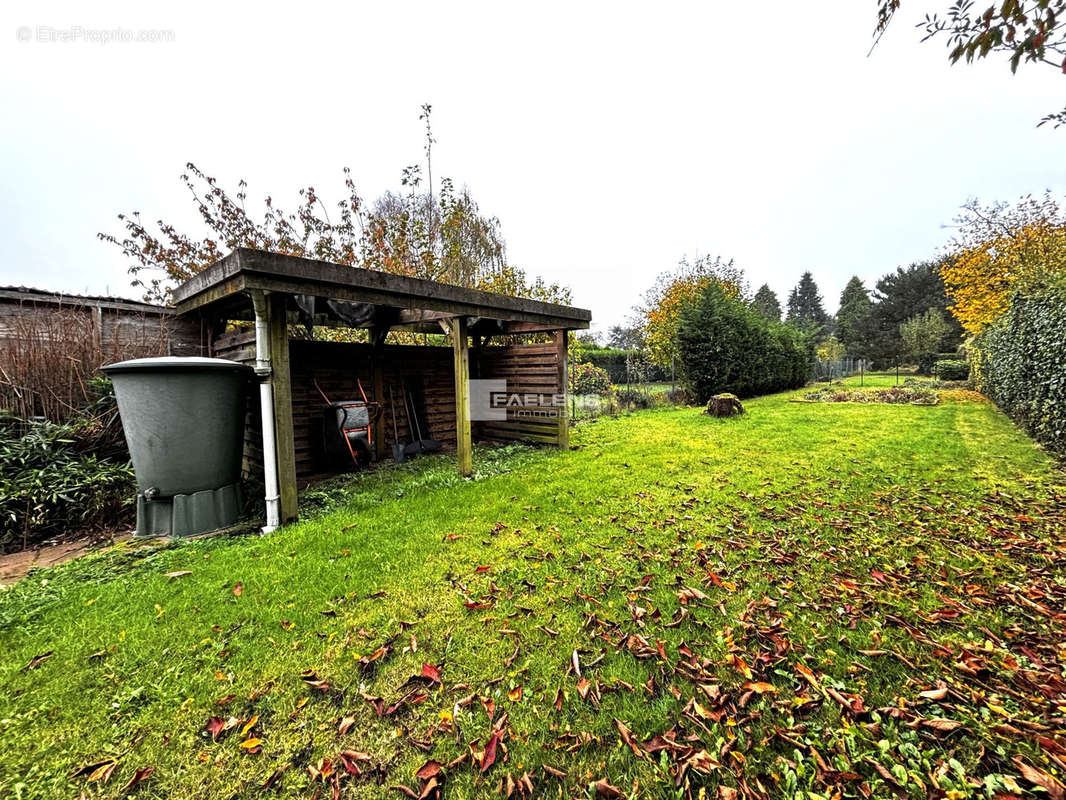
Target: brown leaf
311, 679
555, 773
942, 725
488, 758
431, 673
275, 776
238, 589
887, 777
179, 573
349, 760
345, 725
139, 775
95, 769
934, 694
1040, 778
431, 769
36, 661
606, 790
515, 695
627, 737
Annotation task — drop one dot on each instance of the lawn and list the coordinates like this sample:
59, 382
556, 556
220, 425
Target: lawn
840, 600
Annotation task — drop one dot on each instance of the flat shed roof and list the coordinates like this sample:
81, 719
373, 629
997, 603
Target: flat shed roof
220, 288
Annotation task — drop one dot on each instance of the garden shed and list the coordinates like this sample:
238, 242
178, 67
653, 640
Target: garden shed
252, 302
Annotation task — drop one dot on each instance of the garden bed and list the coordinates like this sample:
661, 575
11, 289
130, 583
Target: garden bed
897, 395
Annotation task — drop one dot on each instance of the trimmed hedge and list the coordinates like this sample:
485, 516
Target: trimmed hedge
952, 370
613, 362
1019, 362
727, 347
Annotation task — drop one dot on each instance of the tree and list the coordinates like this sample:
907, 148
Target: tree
805, 309
1000, 249
726, 346
441, 236
766, 303
922, 335
625, 338
1030, 31
855, 305
898, 296
673, 292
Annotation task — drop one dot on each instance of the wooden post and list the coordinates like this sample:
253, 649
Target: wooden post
564, 420
376, 353
283, 433
463, 446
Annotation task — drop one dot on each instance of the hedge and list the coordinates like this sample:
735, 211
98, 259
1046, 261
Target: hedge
727, 347
952, 369
1019, 362
613, 362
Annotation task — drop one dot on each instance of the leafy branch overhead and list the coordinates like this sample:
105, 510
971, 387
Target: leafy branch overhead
1024, 32
442, 236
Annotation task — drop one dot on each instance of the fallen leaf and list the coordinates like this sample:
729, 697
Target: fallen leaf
179, 573
139, 775
606, 790
1040, 778
36, 661
488, 758
238, 589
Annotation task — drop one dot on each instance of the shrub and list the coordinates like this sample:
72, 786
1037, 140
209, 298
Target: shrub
953, 370
897, 395
1018, 363
633, 398
589, 379
727, 347
49, 486
614, 362
678, 397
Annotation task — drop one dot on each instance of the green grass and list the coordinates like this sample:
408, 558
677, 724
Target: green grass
928, 537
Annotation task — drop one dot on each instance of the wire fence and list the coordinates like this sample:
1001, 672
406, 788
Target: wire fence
837, 369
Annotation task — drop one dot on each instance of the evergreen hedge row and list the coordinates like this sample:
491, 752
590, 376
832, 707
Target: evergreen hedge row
1019, 362
725, 346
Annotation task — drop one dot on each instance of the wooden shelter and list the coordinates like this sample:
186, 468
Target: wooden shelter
277, 292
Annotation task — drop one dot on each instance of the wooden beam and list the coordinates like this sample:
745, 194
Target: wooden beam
274, 272
561, 338
463, 447
283, 428
376, 347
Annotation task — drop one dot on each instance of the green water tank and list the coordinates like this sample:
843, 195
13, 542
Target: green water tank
184, 424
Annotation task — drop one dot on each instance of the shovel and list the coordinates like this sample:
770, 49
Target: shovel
398, 454
422, 445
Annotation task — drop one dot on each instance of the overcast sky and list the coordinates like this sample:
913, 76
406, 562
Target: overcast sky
610, 139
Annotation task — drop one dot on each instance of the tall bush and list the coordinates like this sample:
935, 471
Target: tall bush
49, 486
725, 346
1019, 362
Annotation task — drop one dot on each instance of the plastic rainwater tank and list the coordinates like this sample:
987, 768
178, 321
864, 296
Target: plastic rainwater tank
184, 424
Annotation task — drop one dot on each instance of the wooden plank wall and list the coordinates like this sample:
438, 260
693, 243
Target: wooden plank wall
239, 346
337, 365
119, 331
528, 369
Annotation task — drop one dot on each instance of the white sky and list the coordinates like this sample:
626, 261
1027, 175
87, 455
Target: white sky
609, 138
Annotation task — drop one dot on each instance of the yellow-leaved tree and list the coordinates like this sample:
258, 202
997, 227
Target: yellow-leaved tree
998, 250
660, 312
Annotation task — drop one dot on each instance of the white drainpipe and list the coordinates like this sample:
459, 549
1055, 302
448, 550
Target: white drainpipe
266, 404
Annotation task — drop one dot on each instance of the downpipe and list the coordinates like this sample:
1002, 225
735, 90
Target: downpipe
265, 372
